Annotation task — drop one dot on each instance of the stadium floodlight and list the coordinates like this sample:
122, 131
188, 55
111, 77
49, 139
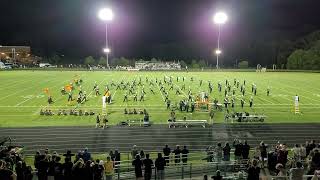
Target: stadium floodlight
219, 18
218, 51
106, 14
106, 50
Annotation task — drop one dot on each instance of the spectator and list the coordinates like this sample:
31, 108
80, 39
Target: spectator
19, 171
316, 158
117, 160
308, 147
88, 173
86, 155
142, 156
50, 167
112, 156
147, 167
297, 173
209, 151
184, 155
6, 174
303, 152
108, 166
134, 152
79, 156
282, 155
245, 150
57, 169
312, 145
226, 152
166, 152
68, 154
78, 169
43, 168
160, 163
238, 149
205, 177
177, 153
281, 172
98, 170
67, 166
253, 171
217, 176
137, 163
37, 159
219, 151
296, 152
263, 152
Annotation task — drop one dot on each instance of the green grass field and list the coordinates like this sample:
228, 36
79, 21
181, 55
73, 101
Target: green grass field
22, 96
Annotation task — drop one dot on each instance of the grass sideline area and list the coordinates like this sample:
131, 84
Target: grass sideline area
22, 96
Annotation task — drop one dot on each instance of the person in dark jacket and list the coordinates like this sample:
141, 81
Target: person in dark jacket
177, 153
37, 159
160, 163
88, 170
184, 155
67, 168
263, 152
245, 150
137, 163
226, 152
117, 160
238, 149
43, 168
166, 152
98, 169
78, 169
253, 171
147, 163
58, 169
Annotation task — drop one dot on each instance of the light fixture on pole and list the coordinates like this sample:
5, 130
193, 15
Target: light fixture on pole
219, 18
106, 15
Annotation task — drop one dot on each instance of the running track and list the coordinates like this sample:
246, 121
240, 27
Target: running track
155, 137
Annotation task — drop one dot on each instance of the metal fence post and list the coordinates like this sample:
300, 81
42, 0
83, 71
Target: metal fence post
182, 171
190, 170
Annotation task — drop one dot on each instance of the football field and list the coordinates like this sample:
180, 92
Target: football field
22, 96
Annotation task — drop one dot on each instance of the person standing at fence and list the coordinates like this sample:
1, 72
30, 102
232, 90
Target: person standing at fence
147, 163
185, 153
226, 152
137, 163
177, 153
117, 160
160, 163
134, 151
219, 151
263, 152
108, 168
245, 150
166, 152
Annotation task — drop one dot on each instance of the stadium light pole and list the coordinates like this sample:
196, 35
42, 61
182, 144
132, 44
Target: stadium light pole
107, 51
219, 18
106, 15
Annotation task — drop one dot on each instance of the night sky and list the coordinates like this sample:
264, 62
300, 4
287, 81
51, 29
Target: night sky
151, 28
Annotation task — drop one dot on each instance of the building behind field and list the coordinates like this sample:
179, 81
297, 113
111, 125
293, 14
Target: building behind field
148, 65
16, 54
